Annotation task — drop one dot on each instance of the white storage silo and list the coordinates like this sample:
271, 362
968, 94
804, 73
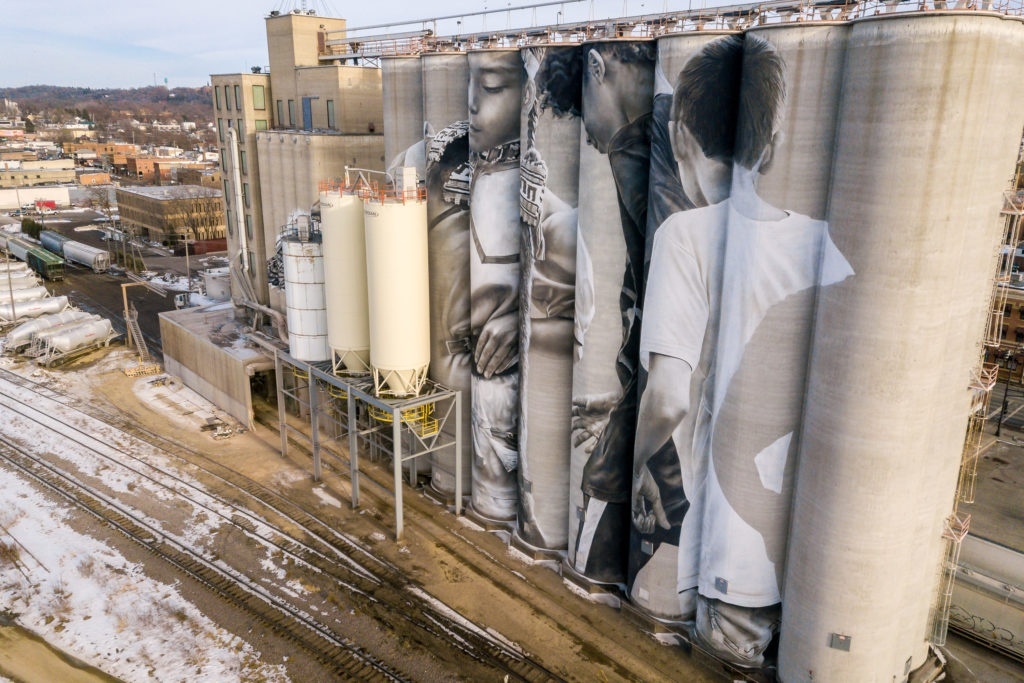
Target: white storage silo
397, 289
305, 300
348, 316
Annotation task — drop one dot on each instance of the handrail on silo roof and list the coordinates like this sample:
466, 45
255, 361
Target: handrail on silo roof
730, 17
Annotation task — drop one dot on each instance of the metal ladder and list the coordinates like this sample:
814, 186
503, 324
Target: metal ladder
132, 322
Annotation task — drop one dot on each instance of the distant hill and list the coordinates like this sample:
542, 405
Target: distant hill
106, 104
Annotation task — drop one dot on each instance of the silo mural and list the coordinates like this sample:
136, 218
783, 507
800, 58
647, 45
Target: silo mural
654, 577
548, 202
402, 84
445, 109
888, 390
618, 90
496, 79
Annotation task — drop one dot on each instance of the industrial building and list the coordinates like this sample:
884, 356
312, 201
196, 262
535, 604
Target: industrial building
172, 214
653, 295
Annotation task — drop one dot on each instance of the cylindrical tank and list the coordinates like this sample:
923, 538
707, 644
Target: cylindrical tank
663, 562
402, 85
28, 294
397, 281
549, 166
348, 316
894, 346
445, 102
76, 252
609, 270
13, 267
304, 296
496, 79
34, 308
22, 334
81, 335
54, 241
18, 283
43, 336
445, 89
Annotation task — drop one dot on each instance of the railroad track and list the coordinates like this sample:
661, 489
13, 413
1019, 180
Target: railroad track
377, 586
340, 655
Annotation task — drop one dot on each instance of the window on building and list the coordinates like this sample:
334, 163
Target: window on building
231, 224
252, 262
1019, 334
227, 97
216, 97
220, 129
1007, 310
280, 113
225, 161
248, 226
241, 129
245, 194
1021, 312
261, 124
1002, 334
330, 114
259, 97
242, 163
291, 113
231, 123
227, 192
238, 97
222, 160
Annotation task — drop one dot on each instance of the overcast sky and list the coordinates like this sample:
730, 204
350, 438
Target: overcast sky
134, 43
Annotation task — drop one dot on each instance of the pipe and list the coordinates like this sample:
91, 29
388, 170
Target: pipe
236, 191
279, 318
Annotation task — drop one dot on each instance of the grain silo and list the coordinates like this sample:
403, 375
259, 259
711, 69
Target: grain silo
549, 166
402, 86
888, 389
445, 108
618, 76
495, 94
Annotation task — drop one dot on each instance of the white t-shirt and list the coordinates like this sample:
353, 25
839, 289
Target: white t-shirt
714, 277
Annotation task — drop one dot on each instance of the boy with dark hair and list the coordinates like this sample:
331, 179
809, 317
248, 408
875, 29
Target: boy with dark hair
729, 306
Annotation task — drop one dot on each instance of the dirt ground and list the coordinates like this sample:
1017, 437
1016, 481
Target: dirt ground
470, 570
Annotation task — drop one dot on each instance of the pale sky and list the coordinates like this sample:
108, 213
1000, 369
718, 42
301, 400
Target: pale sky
134, 43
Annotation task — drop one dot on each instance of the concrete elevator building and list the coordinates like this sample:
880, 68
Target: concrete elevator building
755, 341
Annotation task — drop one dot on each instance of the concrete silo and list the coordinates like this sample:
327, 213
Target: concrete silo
445, 108
927, 135
654, 554
618, 91
304, 297
549, 166
402, 85
397, 281
495, 96
344, 246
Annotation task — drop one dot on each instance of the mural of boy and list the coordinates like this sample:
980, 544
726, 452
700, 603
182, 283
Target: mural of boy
729, 309
618, 89
495, 91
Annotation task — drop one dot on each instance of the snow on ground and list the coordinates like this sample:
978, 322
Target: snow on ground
84, 597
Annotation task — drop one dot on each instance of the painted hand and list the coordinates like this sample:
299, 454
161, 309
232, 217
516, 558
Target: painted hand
647, 508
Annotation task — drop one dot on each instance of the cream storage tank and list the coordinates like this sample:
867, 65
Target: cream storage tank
397, 281
895, 345
305, 299
344, 248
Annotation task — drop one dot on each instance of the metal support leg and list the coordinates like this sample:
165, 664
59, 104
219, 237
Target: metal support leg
353, 450
396, 459
282, 415
458, 453
314, 425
